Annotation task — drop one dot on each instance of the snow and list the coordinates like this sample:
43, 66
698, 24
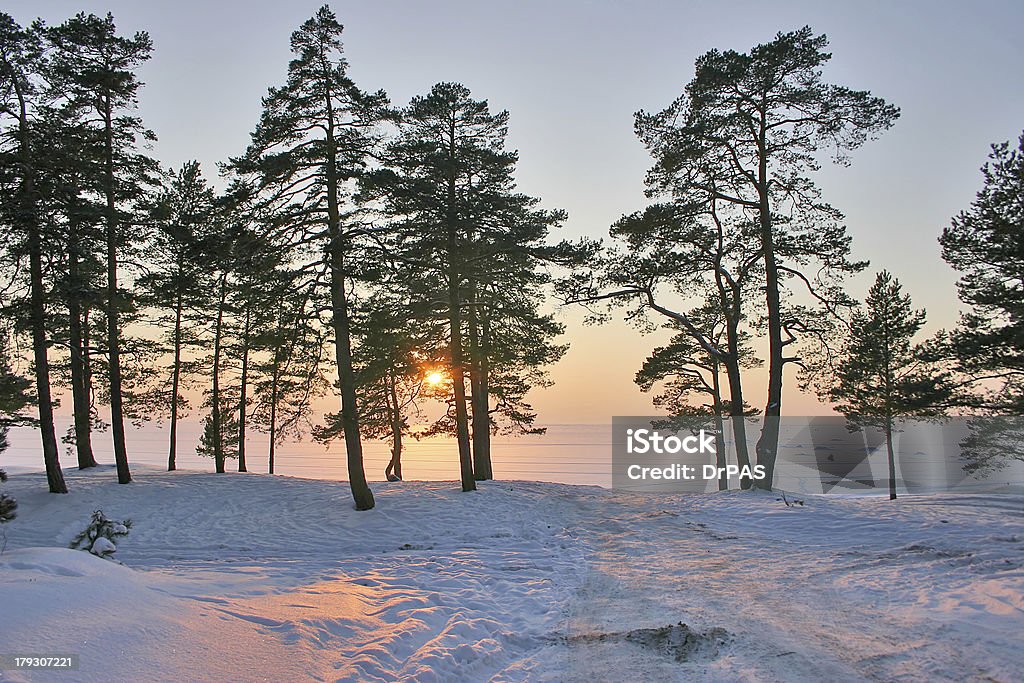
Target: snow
102, 546
234, 576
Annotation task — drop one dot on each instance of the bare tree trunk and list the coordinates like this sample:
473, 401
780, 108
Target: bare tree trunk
87, 359
891, 457
482, 407
459, 385
218, 444
716, 388
737, 419
124, 475
393, 472
768, 443
479, 390
242, 393
275, 383
172, 449
51, 457
273, 413
79, 389
361, 493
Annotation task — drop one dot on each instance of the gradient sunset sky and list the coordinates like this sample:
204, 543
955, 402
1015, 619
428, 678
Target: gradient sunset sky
572, 74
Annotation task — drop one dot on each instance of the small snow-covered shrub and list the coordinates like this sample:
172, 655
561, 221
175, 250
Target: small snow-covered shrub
98, 537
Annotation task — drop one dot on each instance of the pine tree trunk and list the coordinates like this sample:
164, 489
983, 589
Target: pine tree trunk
459, 385
87, 359
361, 493
172, 448
455, 323
478, 389
124, 475
393, 472
275, 381
79, 390
891, 458
29, 219
396, 452
51, 458
482, 467
768, 444
736, 417
273, 414
716, 387
729, 293
242, 394
218, 441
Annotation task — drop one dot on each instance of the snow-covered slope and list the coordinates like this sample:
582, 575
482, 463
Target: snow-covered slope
251, 577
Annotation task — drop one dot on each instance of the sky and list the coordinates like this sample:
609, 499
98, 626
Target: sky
572, 73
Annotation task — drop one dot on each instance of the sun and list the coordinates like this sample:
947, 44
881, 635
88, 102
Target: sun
435, 378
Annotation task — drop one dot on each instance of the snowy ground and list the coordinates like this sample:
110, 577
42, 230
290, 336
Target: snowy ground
250, 577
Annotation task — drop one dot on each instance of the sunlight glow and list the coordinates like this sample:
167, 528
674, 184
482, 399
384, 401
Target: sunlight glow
435, 378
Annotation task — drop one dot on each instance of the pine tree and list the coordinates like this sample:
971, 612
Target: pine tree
98, 67
696, 248
398, 356
881, 374
67, 201
178, 285
220, 254
22, 151
449, 168
313, 139
748, 131
986, 244
288, 374
258, 267
219, 439
99, 536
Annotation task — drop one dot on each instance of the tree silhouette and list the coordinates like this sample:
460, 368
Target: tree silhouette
449, 168
22, 146
98, 66
881, 375
747, 132
178, 282
313, 139
288, 372
986, 244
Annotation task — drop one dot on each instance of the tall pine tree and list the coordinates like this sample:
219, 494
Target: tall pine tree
748, 131
22, 150
314, 137
448, 190
183, 215
98, 67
